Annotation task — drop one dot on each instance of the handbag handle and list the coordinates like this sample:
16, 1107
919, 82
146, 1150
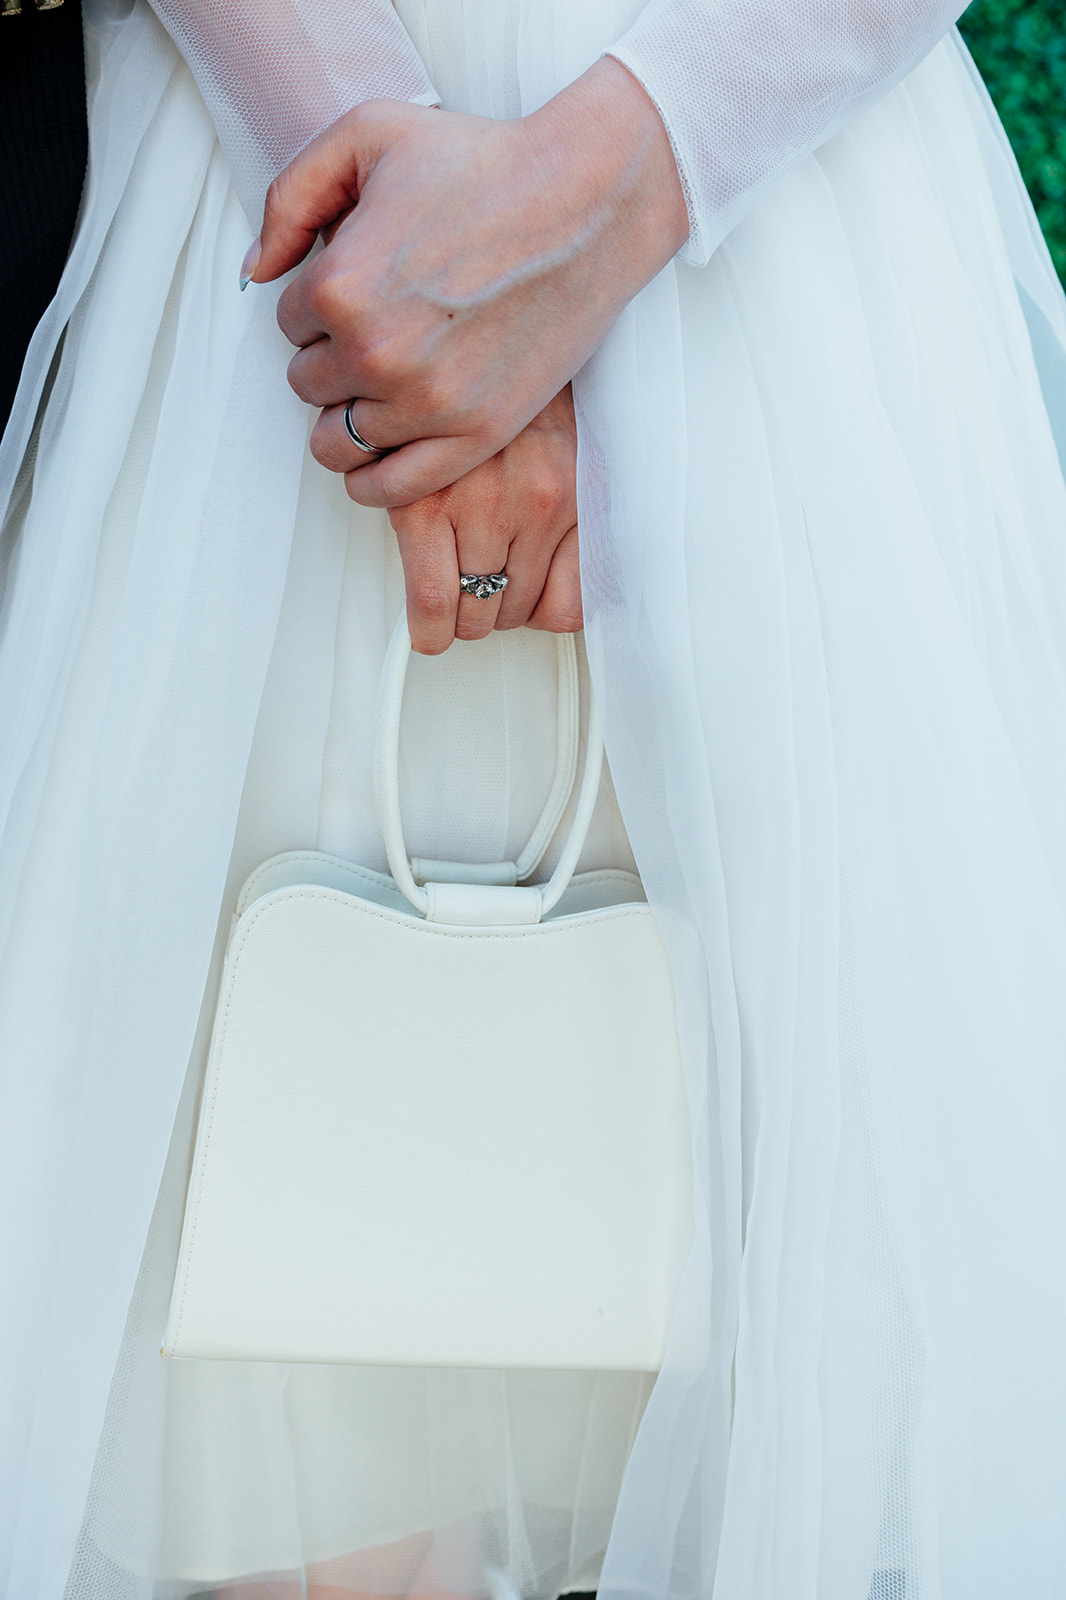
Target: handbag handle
568, 717
494, 883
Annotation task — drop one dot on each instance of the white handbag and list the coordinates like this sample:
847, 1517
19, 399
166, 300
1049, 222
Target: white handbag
443, 1124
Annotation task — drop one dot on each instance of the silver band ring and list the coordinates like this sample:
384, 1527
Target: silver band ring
357, 438
482, 586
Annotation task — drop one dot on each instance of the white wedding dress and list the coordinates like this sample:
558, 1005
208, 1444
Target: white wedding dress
824, 556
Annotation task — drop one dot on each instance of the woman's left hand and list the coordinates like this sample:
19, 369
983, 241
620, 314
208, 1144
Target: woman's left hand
477, 266
515, 513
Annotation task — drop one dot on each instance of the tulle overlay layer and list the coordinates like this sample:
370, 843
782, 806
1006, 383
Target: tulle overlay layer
822, 519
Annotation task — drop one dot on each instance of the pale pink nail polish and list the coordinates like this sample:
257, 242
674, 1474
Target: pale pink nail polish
249, 264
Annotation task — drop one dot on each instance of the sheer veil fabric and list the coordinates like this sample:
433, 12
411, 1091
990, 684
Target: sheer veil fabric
822, 520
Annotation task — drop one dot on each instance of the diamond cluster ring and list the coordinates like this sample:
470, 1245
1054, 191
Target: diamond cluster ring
482, 586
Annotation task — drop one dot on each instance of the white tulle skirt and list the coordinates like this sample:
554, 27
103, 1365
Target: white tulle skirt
824, 554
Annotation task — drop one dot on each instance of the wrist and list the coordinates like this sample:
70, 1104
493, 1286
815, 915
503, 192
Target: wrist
608, 157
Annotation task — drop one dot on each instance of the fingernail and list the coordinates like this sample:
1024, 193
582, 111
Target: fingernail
249, 264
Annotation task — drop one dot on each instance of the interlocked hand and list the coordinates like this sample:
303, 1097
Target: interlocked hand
476, 267
517, 511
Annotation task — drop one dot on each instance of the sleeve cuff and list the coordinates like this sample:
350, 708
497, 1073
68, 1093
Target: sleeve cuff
697, 250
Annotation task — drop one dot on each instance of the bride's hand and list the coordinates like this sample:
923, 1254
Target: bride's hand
516, 512
479, 265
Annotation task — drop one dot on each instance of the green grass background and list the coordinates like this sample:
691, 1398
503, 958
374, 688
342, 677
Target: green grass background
1020, 49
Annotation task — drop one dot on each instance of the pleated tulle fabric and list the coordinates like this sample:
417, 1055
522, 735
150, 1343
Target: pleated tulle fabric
822, 518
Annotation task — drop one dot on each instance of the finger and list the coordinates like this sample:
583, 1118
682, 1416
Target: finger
559, 607
317, 186
320, 372
333, 446
482, 552
416, 470
528, 563
431, 578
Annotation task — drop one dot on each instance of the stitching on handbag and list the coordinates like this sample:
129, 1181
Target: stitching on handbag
442, 931
265, 867
406, 925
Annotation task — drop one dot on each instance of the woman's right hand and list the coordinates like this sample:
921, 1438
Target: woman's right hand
516, 512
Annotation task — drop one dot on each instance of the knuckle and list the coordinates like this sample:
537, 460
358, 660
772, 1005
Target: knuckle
564, 619
546, 500
392, 487
300, 384
444, 394
556, 494
434, 602
385, 360
375, 364
324, 452
439, 397
331, 299
472, 630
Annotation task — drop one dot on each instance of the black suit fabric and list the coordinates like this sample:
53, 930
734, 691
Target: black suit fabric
42, 169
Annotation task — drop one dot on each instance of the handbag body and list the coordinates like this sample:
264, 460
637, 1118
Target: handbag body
443, 1124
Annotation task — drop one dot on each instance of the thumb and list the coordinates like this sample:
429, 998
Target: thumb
318, 186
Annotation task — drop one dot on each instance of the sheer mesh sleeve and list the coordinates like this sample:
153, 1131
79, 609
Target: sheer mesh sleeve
276, 72
747, 87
